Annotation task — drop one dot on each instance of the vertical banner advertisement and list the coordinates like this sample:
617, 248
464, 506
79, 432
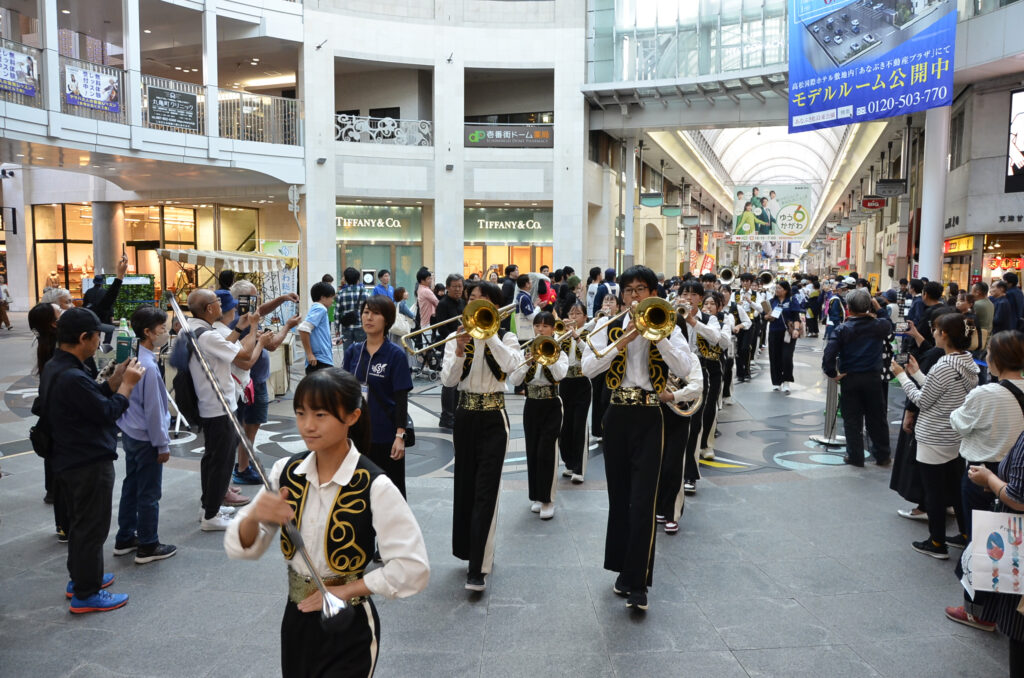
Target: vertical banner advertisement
859, 60
91, 89
1015, 155
772, 212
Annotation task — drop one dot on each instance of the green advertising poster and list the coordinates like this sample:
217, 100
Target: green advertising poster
508, 224
379, 222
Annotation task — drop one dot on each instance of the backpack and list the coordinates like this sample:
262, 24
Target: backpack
182, 387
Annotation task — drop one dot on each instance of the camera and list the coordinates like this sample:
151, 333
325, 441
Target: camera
246, 304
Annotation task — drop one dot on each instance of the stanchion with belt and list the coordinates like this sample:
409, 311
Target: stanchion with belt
830, 439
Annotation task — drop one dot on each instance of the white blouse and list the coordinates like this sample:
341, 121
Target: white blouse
480, 378
406, 569
673, 349
989, 422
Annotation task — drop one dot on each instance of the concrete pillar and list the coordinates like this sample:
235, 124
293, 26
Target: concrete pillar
107, 235
629, 246
449, 185
933, 194
20, 267
318, 251
210, 78
51, 63
902, 235
133, 64
569, 207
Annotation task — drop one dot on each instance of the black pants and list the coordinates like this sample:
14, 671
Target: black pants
542, 422
632, 460
481, 440
862, 406
763, 338
572, 441
691, 465
812, 326
89, 492
727, 365
307, 651
218, 460
319, 366
941, 489
1016, 658
394, 469
670, 496
709, 412
60, 504
599, 403
780, 357
743, 353
449, 403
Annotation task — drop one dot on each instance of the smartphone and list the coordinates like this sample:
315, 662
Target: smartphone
901, 358
245, 304
902, 327
123, 252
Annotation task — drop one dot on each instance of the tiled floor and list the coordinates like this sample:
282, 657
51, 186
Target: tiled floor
787, 564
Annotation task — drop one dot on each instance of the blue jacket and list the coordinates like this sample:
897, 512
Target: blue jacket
917, 307
836, 313
1016, 300
857, 345
792, 311
1002, 316
384, 291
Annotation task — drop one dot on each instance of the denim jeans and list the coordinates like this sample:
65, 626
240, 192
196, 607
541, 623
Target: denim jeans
139, 511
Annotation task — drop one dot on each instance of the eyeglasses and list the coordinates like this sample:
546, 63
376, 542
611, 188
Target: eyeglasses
635, 290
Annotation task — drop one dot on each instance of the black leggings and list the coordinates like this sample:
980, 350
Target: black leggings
780, 357
941, 489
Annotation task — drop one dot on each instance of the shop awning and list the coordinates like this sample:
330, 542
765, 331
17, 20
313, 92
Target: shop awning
240, 262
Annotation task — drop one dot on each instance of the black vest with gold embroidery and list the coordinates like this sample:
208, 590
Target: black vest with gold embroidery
348, 536
489, 358
567, 344
657, 370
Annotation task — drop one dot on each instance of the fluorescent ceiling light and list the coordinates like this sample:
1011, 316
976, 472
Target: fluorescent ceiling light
269, 82
146, 31
65, 11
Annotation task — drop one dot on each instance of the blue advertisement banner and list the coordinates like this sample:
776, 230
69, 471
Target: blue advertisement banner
91, 89
858, 60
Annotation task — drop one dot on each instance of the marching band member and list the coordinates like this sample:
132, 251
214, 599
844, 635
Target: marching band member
575, 391
478, 368
746, 336
542, 418
671, 499
714, 304
633, 434
738, 323
703, 333
340, 502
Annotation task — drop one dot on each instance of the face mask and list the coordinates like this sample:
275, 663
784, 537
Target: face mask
160, 340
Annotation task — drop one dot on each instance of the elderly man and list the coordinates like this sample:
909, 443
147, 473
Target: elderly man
857, 347
221, 352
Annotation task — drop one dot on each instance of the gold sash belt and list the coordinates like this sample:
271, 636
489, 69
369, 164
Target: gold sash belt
482, 401
541, 392
634, 396
574, 371
301, 587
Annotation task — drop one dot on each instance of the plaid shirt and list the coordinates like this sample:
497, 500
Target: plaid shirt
349, 299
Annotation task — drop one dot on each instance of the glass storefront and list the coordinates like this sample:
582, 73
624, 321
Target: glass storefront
381, 236
498, 236
1002, 254
958, 256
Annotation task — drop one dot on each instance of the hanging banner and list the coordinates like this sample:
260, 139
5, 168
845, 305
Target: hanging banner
17, 73
288, 278
91, 89
772, 212
859, 60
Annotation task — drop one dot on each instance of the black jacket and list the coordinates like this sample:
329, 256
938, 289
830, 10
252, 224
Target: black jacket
857, 346
102, 300
447, 308
81, 414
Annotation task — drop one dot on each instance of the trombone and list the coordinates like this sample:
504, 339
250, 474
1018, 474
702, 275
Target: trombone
654, 319
543, 350
481, 319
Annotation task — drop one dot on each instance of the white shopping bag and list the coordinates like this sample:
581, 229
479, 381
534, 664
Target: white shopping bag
992, 560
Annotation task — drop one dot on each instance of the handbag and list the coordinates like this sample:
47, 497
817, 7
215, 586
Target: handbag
402, 326
39, 435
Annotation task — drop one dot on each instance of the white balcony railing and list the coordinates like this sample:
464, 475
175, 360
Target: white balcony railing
20, 74
394, 131
256, 117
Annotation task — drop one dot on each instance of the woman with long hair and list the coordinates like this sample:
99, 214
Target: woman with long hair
785, 323
42, 320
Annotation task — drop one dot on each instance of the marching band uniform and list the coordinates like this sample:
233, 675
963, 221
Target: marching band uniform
480, 438
575, 391
339, 518
542, 423
633, 439
746, 336
737, 317
671, 499
705, 340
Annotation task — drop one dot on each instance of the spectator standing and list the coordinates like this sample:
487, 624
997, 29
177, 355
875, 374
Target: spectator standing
426, 300
350, 299
146, 442
84, 449
983, 308
221, 353
94, 294
5, 303
857, 347
253, 415
42, 320
450, 306
1016, 299
607, 287
329, 279
525, 310
315, 330
384, 287
1002, 311
594, 280
508, 285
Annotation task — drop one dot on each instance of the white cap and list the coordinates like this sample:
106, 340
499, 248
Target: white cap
850, 280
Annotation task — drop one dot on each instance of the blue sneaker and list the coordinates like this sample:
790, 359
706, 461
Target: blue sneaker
246, 477
102, 601
108, 579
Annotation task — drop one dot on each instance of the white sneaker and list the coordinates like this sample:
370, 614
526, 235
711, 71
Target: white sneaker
226, 511
785, 387
776, 388
547, 511
566, 473
536, 506
218, 523
577, 478
707, 453
728, 401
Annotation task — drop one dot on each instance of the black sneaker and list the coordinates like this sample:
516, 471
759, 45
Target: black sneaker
127, 547
62, 536
957, 541
147, 554
929, 548
48, 498
637, 600
851, 462
883, 461
475, 582
619, 587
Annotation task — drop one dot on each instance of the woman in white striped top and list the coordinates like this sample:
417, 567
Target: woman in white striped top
989, 422
938, 445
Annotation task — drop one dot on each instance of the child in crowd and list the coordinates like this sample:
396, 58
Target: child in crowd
315, 330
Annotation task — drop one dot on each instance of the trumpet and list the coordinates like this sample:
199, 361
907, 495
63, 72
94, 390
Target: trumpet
654, 319
481, 319
543, 350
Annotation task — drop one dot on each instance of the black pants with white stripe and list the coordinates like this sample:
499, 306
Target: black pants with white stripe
743, 353
481, 440
308, 651
632, 460
691, 465
572, 441
670, 497
542, 422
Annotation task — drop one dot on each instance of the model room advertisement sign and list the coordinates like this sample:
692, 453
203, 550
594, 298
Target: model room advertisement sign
859, 60
91, 89
169, 108
17, 73
772, 212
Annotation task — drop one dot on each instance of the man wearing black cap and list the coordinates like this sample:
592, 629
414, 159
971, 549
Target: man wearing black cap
81, 418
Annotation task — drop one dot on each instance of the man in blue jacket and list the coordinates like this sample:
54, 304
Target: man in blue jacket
1015, 298
81, 417
857, 347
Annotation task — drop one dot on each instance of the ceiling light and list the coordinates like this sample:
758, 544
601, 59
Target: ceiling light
388, 201
65, 11
255, 58
359, 199
20, 155
177, 68
146, 31
269, 82
39, 157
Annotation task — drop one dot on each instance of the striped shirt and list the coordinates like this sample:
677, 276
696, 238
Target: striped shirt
989, 422
945, 389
